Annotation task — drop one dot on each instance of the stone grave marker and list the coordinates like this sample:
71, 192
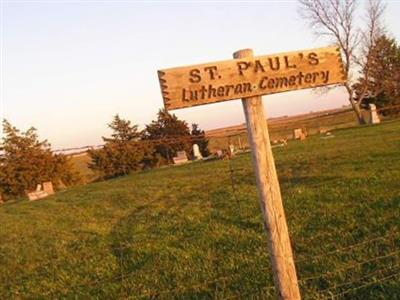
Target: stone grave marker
297, 133
180, 158
37, 194
48, 187
196, 152
374, 117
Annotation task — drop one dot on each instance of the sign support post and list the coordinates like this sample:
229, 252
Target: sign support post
248, 77
284, 270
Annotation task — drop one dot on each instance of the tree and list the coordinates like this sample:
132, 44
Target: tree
26, 162
336, 19
199, 139
123, 152
123, 131
170, 135
383, 86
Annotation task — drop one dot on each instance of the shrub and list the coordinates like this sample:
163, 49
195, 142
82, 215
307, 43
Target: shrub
26, 162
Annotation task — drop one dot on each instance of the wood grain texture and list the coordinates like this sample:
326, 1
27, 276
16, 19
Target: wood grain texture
270, 199
250, 76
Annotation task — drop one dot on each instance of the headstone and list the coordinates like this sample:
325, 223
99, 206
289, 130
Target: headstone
220, 154
374, 117
231, 150
48, 187
180, 158
37, 194
297, 133
196, 152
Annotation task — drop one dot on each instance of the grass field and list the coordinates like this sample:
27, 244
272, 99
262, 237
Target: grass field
195, 231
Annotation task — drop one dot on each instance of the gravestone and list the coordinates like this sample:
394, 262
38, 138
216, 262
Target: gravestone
297, 133
374, 117
231, 150
180, 158
37, 194
196, 152
48, 187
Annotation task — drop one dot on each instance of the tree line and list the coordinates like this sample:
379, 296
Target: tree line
25, 161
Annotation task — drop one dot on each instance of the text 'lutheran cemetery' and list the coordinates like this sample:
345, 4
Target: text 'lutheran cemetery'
226, 80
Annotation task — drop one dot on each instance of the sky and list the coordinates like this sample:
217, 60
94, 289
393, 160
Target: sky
67, 67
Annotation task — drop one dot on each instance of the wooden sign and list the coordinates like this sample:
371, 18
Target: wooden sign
246, 77
249, 77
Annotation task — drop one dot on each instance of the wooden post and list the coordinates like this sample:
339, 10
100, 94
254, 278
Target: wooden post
284, 270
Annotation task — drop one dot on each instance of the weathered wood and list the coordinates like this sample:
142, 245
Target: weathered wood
250, 76
270, 195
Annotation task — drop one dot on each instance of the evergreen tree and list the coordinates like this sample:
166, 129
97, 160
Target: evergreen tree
123, 152
172, 135
383, 80
123, 131
25, 162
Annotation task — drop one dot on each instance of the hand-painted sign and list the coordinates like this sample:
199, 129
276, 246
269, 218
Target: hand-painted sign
246, 77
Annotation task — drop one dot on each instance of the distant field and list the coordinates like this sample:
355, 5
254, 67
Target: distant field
282, 127
195, 231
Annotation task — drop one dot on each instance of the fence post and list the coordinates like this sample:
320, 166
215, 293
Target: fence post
284, 270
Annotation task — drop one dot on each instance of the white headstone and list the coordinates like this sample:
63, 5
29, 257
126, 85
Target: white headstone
374, 117
297, 133
196, 152
232, 149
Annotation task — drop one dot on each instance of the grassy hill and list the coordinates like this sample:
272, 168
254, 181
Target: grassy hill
195, 231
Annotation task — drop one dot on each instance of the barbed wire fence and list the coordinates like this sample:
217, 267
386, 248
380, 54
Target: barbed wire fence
382, 269
349, 278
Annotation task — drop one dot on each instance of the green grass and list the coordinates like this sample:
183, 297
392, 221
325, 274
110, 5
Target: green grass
195, 231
